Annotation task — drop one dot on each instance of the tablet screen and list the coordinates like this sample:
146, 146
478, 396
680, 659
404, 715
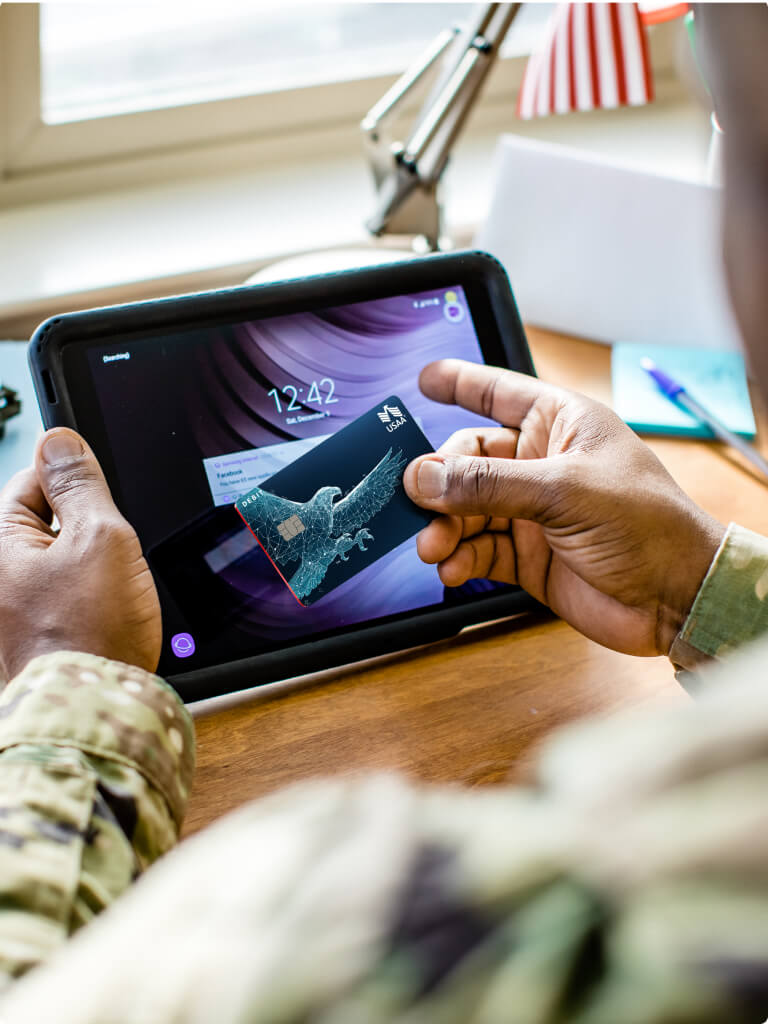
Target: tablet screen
194, 419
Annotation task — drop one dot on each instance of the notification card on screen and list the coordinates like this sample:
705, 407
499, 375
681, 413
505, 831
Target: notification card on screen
342, 506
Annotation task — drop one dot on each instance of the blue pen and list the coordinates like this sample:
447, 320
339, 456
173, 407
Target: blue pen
675, 392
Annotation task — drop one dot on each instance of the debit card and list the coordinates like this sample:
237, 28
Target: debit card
342, 506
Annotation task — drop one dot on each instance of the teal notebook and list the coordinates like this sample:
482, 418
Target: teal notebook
715, 378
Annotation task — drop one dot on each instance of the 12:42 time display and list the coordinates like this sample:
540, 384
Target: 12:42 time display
320, 392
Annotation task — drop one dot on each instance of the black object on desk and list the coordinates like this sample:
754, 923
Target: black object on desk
10, 405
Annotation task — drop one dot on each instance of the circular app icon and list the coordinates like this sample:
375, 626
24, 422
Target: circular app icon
182, 645
453, 312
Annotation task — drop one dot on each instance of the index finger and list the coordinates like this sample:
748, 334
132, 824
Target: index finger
492, 391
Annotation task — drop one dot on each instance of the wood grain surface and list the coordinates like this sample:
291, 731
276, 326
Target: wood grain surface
472, 709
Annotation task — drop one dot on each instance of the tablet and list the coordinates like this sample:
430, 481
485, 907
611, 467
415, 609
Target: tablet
191, 402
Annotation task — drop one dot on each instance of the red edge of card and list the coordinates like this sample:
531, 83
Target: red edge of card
277, 570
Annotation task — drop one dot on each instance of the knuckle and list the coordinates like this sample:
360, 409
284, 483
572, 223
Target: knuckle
476, 481
72, 480
495, 554
116, 528
595, 427
488, 395
107, 529
556, 494
9, 518
461, 441
20, 482
474, 563
119, 528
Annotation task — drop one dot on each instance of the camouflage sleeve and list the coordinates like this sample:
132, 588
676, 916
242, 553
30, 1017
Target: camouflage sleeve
96, 759
631, 887
730, 609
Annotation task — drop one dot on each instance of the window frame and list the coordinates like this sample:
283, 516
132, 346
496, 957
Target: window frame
32, 147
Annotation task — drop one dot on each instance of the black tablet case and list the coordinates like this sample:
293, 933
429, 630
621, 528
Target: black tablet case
473, 270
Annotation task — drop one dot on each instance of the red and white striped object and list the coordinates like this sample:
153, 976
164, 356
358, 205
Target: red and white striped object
594, 55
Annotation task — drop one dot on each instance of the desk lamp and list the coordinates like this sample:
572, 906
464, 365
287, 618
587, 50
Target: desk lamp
407, 174
594, 55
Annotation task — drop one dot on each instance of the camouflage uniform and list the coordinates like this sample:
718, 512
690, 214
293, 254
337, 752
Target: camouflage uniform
630, 887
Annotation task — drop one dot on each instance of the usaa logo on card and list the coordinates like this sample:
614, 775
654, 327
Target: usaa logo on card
392, 417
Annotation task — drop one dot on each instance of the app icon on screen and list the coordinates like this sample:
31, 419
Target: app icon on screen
182, 645
453, 311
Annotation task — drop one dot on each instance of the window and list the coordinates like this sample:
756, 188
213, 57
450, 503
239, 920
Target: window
119, 58
88, 83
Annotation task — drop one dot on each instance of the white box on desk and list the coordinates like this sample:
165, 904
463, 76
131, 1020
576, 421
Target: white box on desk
608, 252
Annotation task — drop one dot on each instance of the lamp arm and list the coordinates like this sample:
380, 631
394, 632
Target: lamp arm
384, 108
407, 175
429, 146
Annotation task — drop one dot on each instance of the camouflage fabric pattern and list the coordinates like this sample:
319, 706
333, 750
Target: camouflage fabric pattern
630, 886
96, 760
731, 607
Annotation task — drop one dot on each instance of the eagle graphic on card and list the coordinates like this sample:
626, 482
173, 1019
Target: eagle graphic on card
321, 530
341, 506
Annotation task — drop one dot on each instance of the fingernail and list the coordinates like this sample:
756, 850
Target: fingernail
60, 447
431, 479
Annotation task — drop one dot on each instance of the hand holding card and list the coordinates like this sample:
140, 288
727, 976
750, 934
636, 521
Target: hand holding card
342, 506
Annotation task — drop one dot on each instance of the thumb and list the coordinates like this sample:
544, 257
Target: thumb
466, 485
71, 478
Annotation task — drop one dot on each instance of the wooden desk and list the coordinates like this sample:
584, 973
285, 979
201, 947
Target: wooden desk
471, 709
